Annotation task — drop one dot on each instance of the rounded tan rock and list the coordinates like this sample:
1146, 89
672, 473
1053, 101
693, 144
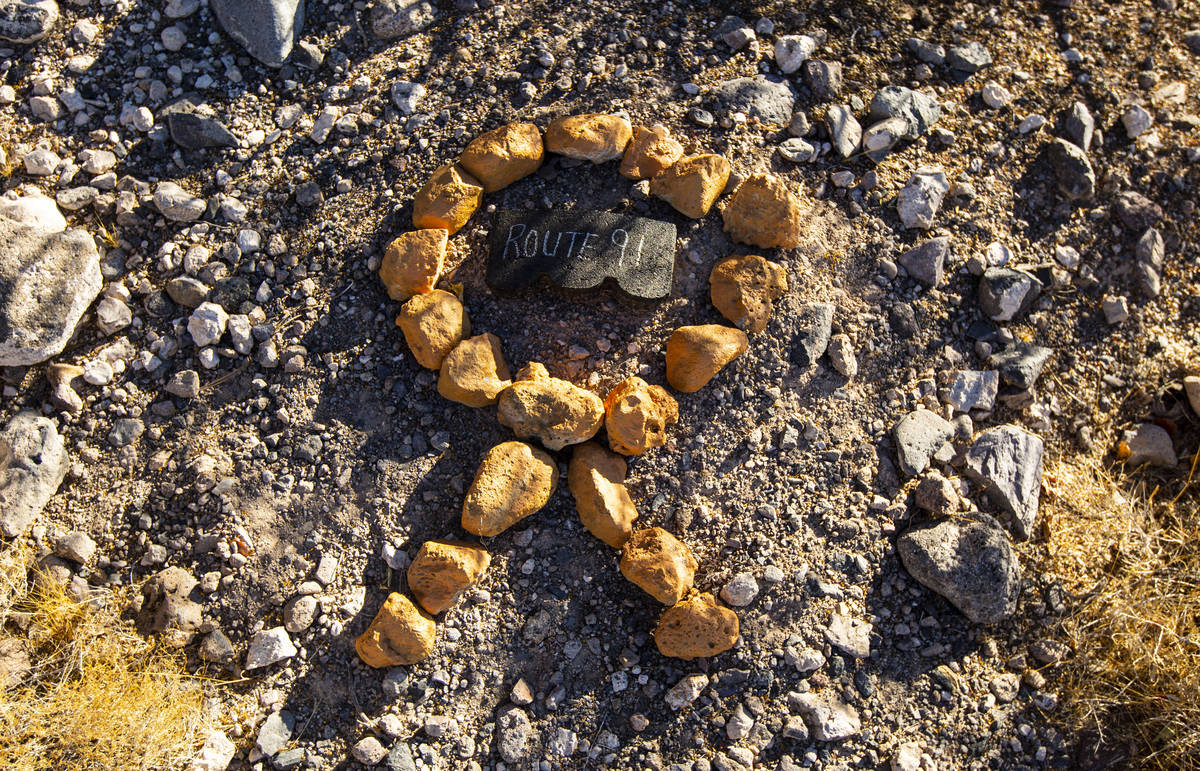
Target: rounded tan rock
596, 478
637, 415
696, 354
514, 480
412, 262
554, 411
763, 212
695, 628
744, 287
660, 563
433, 323
401, 634
502, 156
651, 151
474, 372
443, 570
693, 184
447, 200
595, 137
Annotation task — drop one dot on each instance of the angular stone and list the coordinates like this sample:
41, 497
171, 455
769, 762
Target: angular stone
594, 137
596, 478
177, 204
696, 354
881, 136
433, 324
1007, 461
554, 411
824, 78
268, 647
744, 287
1006, 293
919, 435
651, 151
919, 200
33, 462
936, 494
391, 19
504, 155
267, 29
193, 124
969, 58
830, 718
1136, 211
696, 628
919, 111
187, 291
693, 184
1021, 363
447, 200
926, 262
841, 355
166, 608
401, 634
637, 416
813, 327
514, 480
686, 691
1073, 170
791, 51
1191, 386
26, 21
207, 324
1152, 444
769, 99
275, 732
443, 570
763, 212
474, 373
412, 262
659, 563
844, 129
850, 635
513, 736
1079, 126
973, 390
968, 560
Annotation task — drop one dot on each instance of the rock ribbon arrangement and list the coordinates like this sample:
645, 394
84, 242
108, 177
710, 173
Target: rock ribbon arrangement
515, 479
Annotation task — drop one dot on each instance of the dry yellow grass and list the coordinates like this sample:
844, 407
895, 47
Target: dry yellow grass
98, 696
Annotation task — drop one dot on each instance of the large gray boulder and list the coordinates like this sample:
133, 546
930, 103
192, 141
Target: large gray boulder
1007, 461
267, 29
33, 462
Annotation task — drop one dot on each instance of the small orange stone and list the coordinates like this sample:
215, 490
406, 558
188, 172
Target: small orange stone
696, 628
763, 212
447, 200
433, 323
637, 415
744, 287
693, 184
659, 563
401, 634
594, 137
652, 151
412, 262
696, 354
504, 155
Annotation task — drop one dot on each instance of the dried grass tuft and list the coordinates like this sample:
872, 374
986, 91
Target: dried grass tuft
98, 696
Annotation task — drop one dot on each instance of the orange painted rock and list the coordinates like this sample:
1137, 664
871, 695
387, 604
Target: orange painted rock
401, 634
447, 200
443, 570
637, 415
696, 354
594, 137
660, 563
695, 628
651, 151
502, 156
763, 212
514, 480
413, 262
597, 480
555, 412
433, 323
474, 372
693, 184
744, 287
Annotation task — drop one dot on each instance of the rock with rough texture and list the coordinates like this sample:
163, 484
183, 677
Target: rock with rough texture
270, 646
514, 480
844, 129
919, 111
504, 155
770, 100
447, 200
841, 355
1136, 211
513, 736
595, 137
33, 462
973, 390
474, 373
969, 561
919, 200
433, 324
1072, 169
919, 435
813, 326
830, 718
850, 635
207, 324
554, 411
926, 262
686, 691
824, 78
400, 634
936, 494
193, 124
660, 564
740, 590
1007, 461
61, 375
275, 732
791, 51
596, 478
443, 570
693, 184
26, 21
48, 278
763, 212
1021, 363
267, 29
968, 58
412, 262
744, 287
1006, 293
696, 628
167, 608
696, 354
1152, 444
391, 19
177, 204
216, 754
637, 416
651, 151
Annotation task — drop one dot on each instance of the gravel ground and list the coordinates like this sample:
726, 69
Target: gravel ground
334, 458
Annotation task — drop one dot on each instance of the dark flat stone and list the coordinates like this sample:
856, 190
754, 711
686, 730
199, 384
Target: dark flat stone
580, 249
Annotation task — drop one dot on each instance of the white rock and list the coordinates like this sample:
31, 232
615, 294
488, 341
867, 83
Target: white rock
269, 647
98, 372
35, 462
791, 51
907, 757
995, 95
808, 660
739, 724
239, 333
919, 201
216, 754
1137, 121
686, 691
324, 124
1116, 308
177, 204
207, 324
406, 96
830, 718
112, 315
369, 751
741, 590
1032, 123
35, 211
850, 635
97, 161
41, 161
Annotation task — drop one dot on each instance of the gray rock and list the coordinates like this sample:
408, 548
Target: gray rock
275, 732
1191, 39
216, 648
187, 291
33, 462
267, 29
269, 646
1152, 444
844, 129
368, 751
1007, 461
290, 758
882, 136
969, 58
167, 608
1137, 121
734, 32
299, 613
207, 324
919, 201
919, 111
919, 436
824, 78
175, 203
400, 758
75, 546
513, 735
740, 590
26, 21
1072, 169
1136, 211
125, 431
1079, 126
936, 494
112, 315
926, 262
830, 718
193, 124
768, 99
391, 19
930, 53
797, 150
1151, 249
969, 561
841, 355
407, 96
1006, 293
850, 635
813, 325
974, 390
1021, 363
47, 281
185, 384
